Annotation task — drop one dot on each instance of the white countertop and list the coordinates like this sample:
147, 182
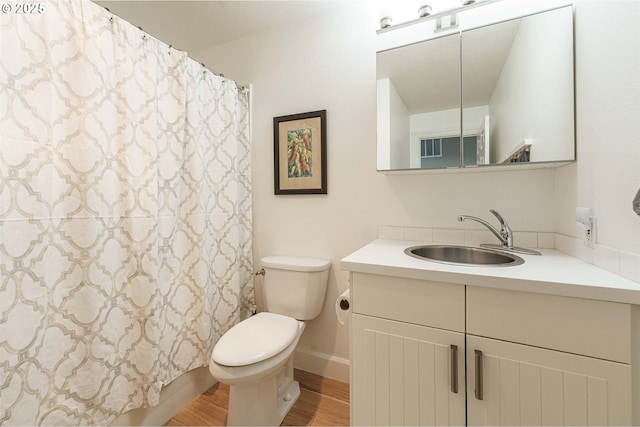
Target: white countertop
552, 273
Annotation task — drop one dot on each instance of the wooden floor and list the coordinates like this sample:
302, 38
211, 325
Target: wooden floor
322, 401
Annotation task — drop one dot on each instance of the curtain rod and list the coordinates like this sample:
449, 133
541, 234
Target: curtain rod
239, 86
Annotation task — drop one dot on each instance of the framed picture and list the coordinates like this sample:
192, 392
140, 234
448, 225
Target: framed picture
300, 153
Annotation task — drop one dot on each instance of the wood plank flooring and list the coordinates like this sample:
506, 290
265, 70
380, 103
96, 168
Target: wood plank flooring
323, 401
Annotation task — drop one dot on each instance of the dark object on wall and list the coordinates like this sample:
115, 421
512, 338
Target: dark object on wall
300, 153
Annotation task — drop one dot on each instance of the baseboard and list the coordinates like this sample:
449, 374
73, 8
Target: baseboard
322, 364
173, 398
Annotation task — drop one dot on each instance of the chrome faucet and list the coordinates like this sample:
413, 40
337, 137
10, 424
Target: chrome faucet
505, 235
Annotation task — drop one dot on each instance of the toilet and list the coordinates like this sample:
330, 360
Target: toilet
255, 357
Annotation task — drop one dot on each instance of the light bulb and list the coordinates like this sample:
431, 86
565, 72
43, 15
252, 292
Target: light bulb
424, 10
385, 22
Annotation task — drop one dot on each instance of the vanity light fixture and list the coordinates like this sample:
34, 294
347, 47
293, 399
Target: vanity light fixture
424, 10
385, 22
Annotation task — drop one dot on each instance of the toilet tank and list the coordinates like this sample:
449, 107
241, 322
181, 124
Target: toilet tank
294, 286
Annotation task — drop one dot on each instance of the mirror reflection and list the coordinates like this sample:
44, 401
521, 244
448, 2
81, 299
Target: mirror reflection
511, 97
419, 103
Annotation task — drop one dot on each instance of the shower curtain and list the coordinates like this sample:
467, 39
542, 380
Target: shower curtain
125, 214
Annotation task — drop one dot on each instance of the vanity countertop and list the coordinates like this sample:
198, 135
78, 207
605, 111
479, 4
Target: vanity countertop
552, 273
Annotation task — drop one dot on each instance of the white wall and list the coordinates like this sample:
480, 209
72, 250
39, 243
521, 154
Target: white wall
329, 63
607, 173
446, 123
393, 128
399, 130
436, 124
383, 118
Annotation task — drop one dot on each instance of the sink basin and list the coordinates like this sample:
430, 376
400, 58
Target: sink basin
464, 255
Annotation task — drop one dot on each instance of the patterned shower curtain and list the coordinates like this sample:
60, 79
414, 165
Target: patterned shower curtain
125, 214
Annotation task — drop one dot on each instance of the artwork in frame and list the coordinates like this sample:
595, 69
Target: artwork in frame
300, 153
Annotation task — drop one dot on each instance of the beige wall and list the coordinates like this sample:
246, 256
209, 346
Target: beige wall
329, 63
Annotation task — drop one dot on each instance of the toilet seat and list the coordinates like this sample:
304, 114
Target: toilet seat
255, 339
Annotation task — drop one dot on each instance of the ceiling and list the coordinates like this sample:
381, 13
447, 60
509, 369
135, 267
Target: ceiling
194, 26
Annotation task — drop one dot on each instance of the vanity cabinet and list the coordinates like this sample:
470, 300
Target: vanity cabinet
404, 374
546, 359
524, 358
407, 351
525, 385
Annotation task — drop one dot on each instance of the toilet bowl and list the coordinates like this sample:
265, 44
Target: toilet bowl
265, 386
255, 357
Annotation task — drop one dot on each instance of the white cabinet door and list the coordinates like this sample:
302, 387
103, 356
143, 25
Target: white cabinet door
405, 374
523, 385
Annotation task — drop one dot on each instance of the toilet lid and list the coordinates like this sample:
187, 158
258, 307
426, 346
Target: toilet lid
255, 339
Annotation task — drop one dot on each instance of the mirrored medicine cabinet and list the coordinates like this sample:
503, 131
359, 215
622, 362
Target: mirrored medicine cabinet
488, 97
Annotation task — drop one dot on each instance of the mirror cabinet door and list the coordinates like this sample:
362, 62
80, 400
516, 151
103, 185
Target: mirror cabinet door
517, 98
419, 105
507, 89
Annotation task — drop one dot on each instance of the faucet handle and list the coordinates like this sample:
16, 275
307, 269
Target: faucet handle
500, 218
505, 230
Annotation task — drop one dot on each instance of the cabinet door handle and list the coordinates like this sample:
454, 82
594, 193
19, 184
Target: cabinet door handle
478, 358
453, 353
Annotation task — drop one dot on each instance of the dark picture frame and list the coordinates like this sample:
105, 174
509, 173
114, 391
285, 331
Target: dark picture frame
300, 153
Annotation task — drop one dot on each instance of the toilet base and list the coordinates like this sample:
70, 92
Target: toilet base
270, 399
289, 398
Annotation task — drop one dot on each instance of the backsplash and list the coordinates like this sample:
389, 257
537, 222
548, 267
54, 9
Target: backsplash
622, 263
619, 262
459, 236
